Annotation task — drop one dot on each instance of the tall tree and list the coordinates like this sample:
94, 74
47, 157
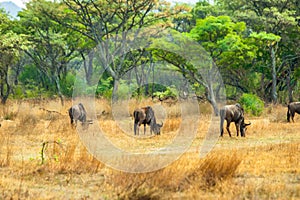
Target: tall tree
52, 45
11, 45
111, 25
271, 16
226, 43
193, 62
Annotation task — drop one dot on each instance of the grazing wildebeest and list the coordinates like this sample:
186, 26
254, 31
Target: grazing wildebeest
293, 108
233, 113
145, 116
78, 112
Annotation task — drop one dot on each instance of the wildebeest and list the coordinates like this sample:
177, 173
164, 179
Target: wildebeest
145, 116
233, 113
293, 108
78, 112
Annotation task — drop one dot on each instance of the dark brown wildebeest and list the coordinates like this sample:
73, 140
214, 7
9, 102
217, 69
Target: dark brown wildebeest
145, 116
293, 108
78, 112
233, 113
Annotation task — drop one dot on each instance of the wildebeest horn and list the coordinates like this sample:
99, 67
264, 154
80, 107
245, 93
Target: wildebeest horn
248, 124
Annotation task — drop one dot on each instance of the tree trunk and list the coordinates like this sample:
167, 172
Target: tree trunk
88, 66
138, 81
288, 83
115, 90
5, 94
60, 95
262, 85
274, 74
212, 99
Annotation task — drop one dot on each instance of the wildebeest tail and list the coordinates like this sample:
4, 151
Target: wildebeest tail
136, 120
136, 116
288, 114
71, 115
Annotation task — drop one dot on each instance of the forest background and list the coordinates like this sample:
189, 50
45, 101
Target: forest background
254, 45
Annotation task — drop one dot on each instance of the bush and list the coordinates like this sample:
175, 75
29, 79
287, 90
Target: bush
252, 104
67, 84
169, 92
105, 87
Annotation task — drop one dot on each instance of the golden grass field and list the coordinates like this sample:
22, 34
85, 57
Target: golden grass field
263, 165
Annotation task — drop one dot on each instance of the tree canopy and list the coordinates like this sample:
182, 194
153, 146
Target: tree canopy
253, 44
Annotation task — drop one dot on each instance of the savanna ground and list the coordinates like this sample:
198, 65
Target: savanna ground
263, 165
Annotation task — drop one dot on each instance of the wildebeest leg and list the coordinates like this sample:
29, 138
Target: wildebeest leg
222, 118
135, 127
222, 127
75, 122
237, 126
222, 132
144, 129
292, 115
288, 114
227, 127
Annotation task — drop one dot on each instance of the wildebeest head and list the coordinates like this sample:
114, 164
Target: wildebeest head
156, 128
243, 128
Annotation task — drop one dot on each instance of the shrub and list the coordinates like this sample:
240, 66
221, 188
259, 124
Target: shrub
67, 84
105, 87
252, 104
169, 92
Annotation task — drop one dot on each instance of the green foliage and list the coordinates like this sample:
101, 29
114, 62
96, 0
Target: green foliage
123, 90
169, 92
31, 86
67, 84
56, 35
252, 104
18, 92
225, 41
104, 87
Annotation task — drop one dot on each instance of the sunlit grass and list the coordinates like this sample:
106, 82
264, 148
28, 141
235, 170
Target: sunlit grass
264, 165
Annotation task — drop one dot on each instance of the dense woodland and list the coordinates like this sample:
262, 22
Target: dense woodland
253, 43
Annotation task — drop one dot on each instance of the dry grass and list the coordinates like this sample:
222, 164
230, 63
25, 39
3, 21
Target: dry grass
264, 165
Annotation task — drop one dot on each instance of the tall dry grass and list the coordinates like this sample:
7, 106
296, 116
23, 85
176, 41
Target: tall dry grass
264, 165
185, 175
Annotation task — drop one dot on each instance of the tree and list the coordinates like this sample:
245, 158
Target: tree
52, 45
182, 20
271, 42
278, 17
111, 24
11, 44
228, 46
193, 62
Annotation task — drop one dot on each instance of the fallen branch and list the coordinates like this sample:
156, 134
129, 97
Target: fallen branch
44, 145
51, 111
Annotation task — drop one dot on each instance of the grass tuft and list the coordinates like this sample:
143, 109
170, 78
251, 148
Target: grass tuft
263, 165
